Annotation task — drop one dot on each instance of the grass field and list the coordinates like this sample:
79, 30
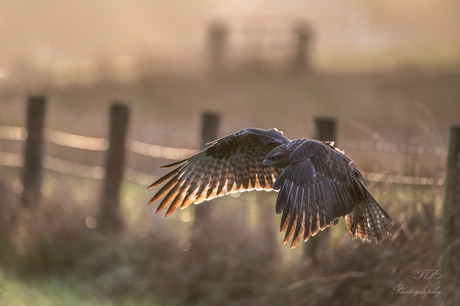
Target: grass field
58, 291
66, 263
45, 291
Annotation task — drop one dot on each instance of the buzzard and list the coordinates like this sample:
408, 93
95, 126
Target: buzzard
317, 183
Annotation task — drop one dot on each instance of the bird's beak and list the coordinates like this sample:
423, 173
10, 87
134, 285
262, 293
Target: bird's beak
264, 162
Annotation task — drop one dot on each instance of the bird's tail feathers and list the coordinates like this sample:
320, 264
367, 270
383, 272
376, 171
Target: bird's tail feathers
368, 221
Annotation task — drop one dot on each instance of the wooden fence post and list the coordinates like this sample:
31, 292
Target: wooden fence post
217, 44
209, 132
110, 218
317, 247
201, 244
450, 240
269, 230
301, 58
33, 151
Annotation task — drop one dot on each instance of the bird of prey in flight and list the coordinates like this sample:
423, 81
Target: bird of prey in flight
317, 183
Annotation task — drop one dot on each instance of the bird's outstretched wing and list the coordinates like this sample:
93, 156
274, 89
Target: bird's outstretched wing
318, 186
230, 164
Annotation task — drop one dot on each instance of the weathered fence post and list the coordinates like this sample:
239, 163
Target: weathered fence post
302, 56
201, 244
110, 215
317, 247
33, 151
269, 229
217, 44
209, 132
450, 240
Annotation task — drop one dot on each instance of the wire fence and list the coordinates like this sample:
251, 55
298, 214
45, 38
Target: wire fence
17, 133
392, 147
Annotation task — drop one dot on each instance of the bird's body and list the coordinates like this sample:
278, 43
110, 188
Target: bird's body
317, 183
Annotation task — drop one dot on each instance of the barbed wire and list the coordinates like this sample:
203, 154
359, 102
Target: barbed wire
98, 173
391, 147
402, 179
76, 169
76, 141
16, 133
157, 151
65, 139
11, 159
13, 133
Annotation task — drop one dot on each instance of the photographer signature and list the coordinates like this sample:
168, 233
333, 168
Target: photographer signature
424, 274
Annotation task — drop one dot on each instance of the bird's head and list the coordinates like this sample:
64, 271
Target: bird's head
278, 157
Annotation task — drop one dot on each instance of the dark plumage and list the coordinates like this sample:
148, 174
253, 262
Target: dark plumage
317, 183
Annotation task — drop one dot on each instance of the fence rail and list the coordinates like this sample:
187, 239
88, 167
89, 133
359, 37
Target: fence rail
18, 133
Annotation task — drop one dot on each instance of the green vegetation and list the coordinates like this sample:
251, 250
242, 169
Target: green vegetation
59, 290
52, 257
46, 291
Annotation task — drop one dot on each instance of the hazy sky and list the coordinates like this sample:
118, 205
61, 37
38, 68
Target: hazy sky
50, 33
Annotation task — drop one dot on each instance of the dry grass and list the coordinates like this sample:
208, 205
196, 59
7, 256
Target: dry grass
233, 264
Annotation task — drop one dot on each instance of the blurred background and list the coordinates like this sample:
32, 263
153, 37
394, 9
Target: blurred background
382, 79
